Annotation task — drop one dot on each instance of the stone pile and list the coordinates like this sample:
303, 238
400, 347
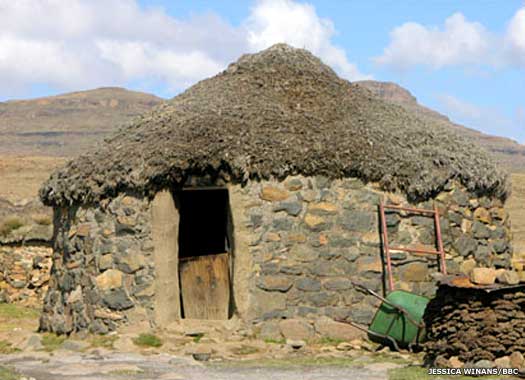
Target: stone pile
24, 274
469, 324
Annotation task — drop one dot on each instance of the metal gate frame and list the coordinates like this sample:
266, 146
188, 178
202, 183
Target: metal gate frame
384, 233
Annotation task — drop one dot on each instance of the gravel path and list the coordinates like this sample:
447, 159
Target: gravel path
67, 366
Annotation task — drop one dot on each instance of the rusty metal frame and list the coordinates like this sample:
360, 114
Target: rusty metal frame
386, 246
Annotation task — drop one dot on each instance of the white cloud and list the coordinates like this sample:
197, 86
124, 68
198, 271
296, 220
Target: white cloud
458, 42
298, 24
515, 39
72, 44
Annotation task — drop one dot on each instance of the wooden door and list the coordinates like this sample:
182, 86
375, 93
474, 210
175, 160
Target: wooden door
205, 286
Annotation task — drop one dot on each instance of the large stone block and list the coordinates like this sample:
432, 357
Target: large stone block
414, 272
369, 264
483, 276
117, 299
325, 268
303, 253
270, 330
359, 221
329, 328
132, 262
480, 230
296, 329
323, 208
483, 215
315, 222
308, 284
273, 194
274, 283
337, 283
292, 208
321, 299
267, 302
110, 279
465, 245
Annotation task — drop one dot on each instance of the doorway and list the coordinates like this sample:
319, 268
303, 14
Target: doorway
204, 253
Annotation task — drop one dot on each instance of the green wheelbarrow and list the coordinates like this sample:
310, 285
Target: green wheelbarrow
399, 320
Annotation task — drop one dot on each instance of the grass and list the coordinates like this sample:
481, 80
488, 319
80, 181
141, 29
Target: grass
52, 341
12, 311
275, 341
197, 338
104, 341
10, 224
8, 374
7, 348
329, 341
147, 340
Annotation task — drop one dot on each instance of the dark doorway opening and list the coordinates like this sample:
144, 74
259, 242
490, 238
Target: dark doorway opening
204, 254
203, 222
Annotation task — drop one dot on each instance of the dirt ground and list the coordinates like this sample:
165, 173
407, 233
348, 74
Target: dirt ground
21, 177
26, 354
168, 367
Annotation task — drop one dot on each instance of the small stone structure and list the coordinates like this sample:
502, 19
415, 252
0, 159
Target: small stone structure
304, 158
471, 324
24, 274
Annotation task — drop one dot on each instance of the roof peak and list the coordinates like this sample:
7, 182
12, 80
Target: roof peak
283, 57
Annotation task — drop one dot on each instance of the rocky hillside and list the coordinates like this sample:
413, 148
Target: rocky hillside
67, 124
507, 151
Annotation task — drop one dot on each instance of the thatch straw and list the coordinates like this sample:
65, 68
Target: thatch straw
277, 113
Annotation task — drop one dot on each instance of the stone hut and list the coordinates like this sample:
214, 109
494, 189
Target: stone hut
254, 195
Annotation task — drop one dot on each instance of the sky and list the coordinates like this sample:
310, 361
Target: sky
463, 58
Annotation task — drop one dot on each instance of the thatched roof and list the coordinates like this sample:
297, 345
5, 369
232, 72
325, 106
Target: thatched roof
276, 113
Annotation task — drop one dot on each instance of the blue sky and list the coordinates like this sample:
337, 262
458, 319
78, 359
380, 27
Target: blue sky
465, 59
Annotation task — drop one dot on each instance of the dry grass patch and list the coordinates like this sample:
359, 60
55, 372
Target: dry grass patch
245, 350
7, 348
104, 341
42, 219
10, 224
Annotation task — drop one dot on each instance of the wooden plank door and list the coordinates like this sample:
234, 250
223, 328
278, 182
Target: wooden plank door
205, 286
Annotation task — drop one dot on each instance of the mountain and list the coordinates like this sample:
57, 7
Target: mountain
509, 153
67, 124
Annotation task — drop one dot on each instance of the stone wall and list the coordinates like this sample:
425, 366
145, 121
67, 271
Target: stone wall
311, 237
103, 271
298, 245
24, 274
